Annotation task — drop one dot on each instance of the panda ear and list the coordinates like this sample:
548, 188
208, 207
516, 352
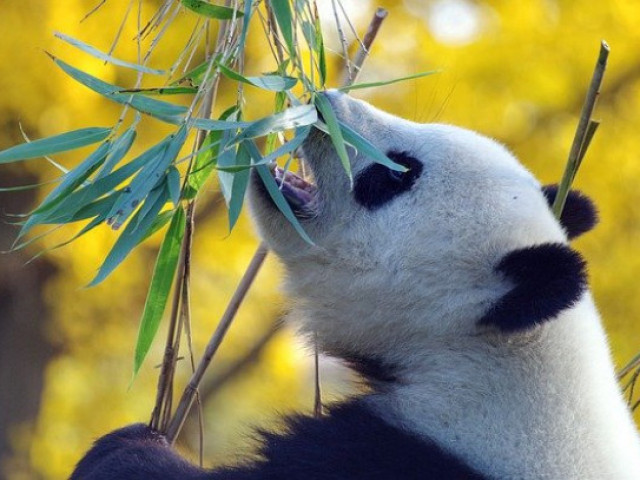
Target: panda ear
579, 214
546, 278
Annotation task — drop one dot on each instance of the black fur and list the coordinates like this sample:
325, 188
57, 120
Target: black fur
371, 368
377, 185
548, 278
350, 443
579, 214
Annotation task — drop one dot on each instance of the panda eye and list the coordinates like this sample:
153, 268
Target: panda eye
377, 185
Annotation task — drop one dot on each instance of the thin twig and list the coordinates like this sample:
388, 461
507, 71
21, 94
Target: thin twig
93, 10
120, 29
212, 347
363, 52
578, 148
317, 401
343, 42
635, 362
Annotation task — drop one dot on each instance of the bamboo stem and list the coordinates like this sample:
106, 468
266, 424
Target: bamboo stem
188, 396
584, 131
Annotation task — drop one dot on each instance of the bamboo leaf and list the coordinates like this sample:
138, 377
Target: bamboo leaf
239, 186
282, 12
173, 184
280, 201
56, 144
217, 125
120, 148
356, 86
132, 235
274, 83
275, 193
71, 180
147, 179
93, 51
164, 273
293, 117
162, 91
206, 160
365, 147
165, 111
75, 203
285, 149
335, 133
211, 11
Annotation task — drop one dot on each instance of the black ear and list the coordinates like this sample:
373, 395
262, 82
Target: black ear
579, 214
547, 279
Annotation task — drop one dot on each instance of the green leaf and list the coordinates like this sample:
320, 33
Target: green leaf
365, 147
87, 228
322, 61
290, 118
274, 83
68, 209
275, 193
245, 25
239, 186
165, 111
75, 177
120, 148
335, 133
287, 148
173, 184
162, 90
206, 159
211, 11
93, 51
282, 12
150, 175
132, 235
164, 273
70, 182
356, 86
56, 144
217, 125
20, 188
280, 201
194, 76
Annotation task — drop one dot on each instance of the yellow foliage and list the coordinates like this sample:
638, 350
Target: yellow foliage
519, 75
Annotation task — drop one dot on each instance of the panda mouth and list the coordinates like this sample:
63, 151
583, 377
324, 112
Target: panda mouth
300, 193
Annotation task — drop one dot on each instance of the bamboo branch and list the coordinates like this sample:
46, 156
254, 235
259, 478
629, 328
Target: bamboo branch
188, 396
584, 132
365, 47
161, 414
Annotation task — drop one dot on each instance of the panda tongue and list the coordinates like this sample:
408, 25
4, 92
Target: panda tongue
298, 192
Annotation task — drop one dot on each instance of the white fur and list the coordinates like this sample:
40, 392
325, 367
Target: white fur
408, 282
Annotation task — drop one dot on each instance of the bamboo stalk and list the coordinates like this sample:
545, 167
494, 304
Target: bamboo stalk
189, 393
161, 414
584, 131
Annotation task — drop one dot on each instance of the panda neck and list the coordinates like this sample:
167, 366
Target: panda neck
548, 408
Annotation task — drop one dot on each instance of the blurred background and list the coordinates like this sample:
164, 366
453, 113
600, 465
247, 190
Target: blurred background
516, 71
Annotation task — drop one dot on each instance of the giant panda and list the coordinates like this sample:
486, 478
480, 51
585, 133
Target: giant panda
452, 288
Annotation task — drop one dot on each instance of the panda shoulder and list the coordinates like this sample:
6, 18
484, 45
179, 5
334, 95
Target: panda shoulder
350, 442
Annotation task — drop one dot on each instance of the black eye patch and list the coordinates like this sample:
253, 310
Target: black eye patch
377, 185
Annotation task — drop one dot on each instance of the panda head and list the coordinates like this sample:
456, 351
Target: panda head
430, 255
